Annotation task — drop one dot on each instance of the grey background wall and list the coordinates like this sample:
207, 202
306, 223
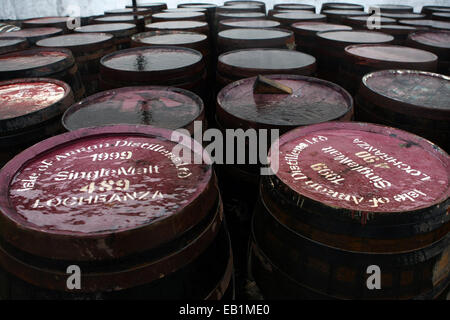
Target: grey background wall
23, 9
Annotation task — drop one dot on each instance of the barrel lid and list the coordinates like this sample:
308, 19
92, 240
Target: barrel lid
127, 11
163, 107
444, 15
344, 13
251, 62
406, 15
156, 6
31, 33
415, 93
254, 33
48, 20
343, 37
197, 5
393, 8
188, 9
294, 6
103, 193
244, 2
10, 44
28, 102
119, 18
385, 55
291, 17
238, 7
313, 100
396, 29
426, 23
241, 15
432, 39
188, 15
436, 8
169, 38
249, 23
78, 42
362, 20
177, 25
311, 28
147, 63
363, 168
116, 29
342, 6
35, 62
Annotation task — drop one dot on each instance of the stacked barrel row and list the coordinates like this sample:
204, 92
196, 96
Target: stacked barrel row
312, 226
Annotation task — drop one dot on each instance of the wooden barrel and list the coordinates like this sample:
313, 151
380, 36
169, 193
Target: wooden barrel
239, 8
43, 63
177, 16
411, 100
404, 15
12, 44
434, 41
399, 32
63, 23
429, 10
30, 111
247, 23
272, 12
288, 18
240, 15
360, 22
154, 6
172, 244
394, 8
330, 48
240, 108
341, 6
239, 38
88, 49
210, 9
161, 107
442, 16
129, 18
190, 9
156, 65
122, 32
260, 4
240, 64
8, 28
187, 25
33, 35
305, 34
362, 59
294, 6
426, 24
346, 199
339, 16
119, 12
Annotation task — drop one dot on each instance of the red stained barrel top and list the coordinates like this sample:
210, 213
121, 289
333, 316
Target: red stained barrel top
437, 39
11, 44
164, 107
425, 94
78, 42
354, 36
390, 53
265, 60
170, 16
157, 187
31, 59
21, 98
249, 23
48, 20
396, 29
151, 59
169, 38
311, 28
312, 101
33, 33
116, 29
294, 6
363, 167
